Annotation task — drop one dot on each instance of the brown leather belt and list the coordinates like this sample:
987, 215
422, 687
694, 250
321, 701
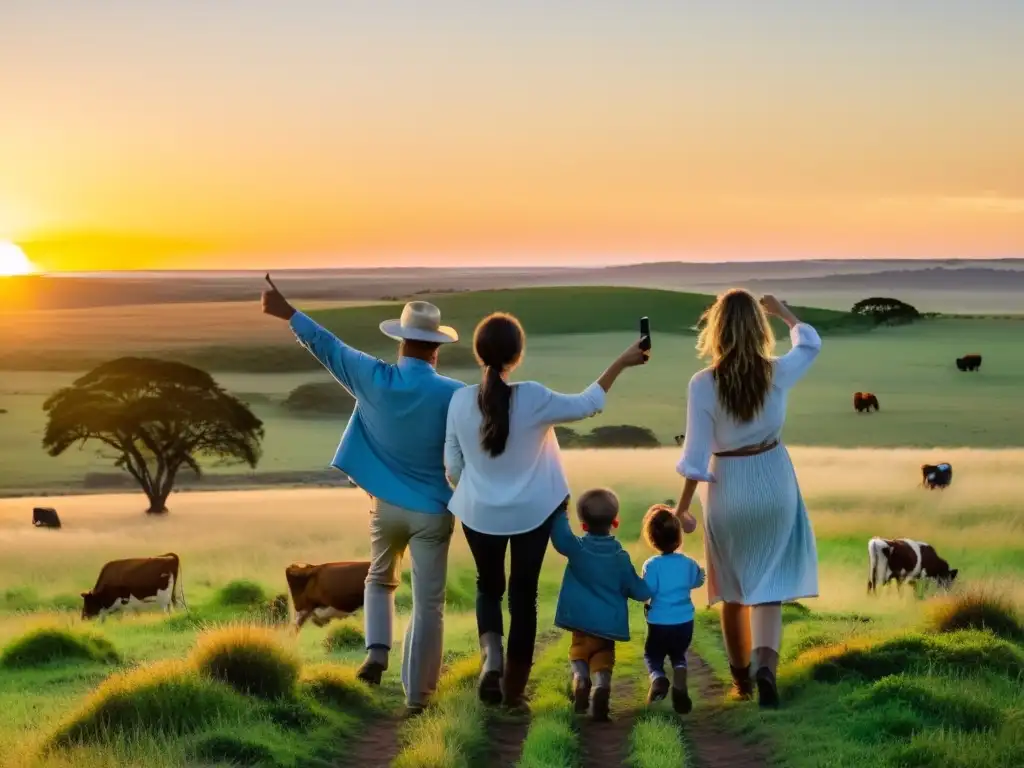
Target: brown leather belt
748, 450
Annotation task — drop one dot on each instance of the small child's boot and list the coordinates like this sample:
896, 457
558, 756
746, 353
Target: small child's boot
580, 687
600, 702
658, 690
681, 702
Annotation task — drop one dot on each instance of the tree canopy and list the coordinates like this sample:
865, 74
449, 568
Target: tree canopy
153, 417
886, 310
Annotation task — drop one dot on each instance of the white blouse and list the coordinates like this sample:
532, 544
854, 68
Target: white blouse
518, 490
709, 429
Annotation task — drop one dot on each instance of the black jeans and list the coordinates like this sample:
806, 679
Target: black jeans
670, 640
528, 550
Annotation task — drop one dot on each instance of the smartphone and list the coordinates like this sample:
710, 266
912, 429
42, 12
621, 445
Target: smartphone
645, 334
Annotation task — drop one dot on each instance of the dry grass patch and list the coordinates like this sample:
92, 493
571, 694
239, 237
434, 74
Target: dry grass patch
976, 609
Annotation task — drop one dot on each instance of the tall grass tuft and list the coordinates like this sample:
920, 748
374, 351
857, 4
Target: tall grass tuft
346, 636
976, 609
168, 698
249, 659
49, 645
337, 687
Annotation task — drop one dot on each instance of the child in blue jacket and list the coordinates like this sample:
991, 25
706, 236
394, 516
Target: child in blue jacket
598, 581
670, 576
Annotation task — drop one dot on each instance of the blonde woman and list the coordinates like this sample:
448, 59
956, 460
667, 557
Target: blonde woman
759, 544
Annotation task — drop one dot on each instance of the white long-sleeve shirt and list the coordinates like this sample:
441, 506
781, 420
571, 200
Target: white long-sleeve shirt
709, 429
518, 490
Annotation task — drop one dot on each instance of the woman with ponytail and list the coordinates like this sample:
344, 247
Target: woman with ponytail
759, 546
502, 456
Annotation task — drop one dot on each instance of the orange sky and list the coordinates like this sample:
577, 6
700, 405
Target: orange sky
212, 136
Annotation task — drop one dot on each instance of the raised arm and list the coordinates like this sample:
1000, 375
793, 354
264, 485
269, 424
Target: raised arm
353, 369
806, 344
454, 462
564, 540
555, 408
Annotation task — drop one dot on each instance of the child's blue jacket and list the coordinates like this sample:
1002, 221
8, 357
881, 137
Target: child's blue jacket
599, 579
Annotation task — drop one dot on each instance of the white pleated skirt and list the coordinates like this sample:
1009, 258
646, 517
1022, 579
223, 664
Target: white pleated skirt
758, 541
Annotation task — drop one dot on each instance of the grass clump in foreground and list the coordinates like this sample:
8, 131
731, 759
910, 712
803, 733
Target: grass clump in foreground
49, 645
552, 738
346, 636
657, 742
452, 732
169, 699
251, 660
976, 609
337, 687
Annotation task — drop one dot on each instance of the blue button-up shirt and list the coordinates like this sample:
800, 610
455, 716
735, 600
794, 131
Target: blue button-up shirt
393, 446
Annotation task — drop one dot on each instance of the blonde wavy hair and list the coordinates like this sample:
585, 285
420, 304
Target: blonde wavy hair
737, 340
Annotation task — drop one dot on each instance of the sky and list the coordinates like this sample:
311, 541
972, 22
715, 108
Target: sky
190, 134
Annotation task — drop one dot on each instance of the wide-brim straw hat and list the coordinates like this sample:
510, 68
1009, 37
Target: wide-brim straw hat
420, 321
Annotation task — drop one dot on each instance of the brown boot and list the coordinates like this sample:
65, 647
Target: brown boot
513, 684
742, 685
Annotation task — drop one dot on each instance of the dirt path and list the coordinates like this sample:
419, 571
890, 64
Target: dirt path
379, 745
707, 734
607, 744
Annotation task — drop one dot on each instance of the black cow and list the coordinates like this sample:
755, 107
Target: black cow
864, 401
969, 363
45, 517
936, 475
679, 439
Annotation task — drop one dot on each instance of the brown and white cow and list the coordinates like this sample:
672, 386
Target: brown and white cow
135, 583
905, 560
326, 591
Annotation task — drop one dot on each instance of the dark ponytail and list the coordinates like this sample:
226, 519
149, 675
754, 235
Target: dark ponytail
498, 345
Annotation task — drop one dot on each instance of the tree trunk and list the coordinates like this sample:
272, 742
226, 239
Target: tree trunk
157, 502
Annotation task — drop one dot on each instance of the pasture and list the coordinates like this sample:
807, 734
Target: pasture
977, 524
925, 401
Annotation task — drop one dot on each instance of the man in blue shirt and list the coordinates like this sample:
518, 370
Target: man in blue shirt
393, 448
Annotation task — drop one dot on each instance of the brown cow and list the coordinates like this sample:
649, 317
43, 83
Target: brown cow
134, 583
326, 591
864, 401
905, 560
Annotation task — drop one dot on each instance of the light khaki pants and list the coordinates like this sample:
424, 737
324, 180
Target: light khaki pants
427, 537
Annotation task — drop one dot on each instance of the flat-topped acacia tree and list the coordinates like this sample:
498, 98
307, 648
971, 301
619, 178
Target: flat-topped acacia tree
153, 417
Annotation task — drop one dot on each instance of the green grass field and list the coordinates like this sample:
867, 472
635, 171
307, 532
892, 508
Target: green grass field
866, 681
925, 401
221, 537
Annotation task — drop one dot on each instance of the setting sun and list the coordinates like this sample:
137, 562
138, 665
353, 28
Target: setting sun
13, 261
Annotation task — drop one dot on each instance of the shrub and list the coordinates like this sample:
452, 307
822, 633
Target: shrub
250, 660
51, 644
568, 437
621, 436
976, 610
232, 749
337, 687
320, 397
241, 593
345, 636
162, 699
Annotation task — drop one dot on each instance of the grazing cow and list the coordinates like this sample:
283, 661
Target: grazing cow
45, 517
134, 583
905, 560
679, 439
326, 591
936, 475
969, 363
864, 401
